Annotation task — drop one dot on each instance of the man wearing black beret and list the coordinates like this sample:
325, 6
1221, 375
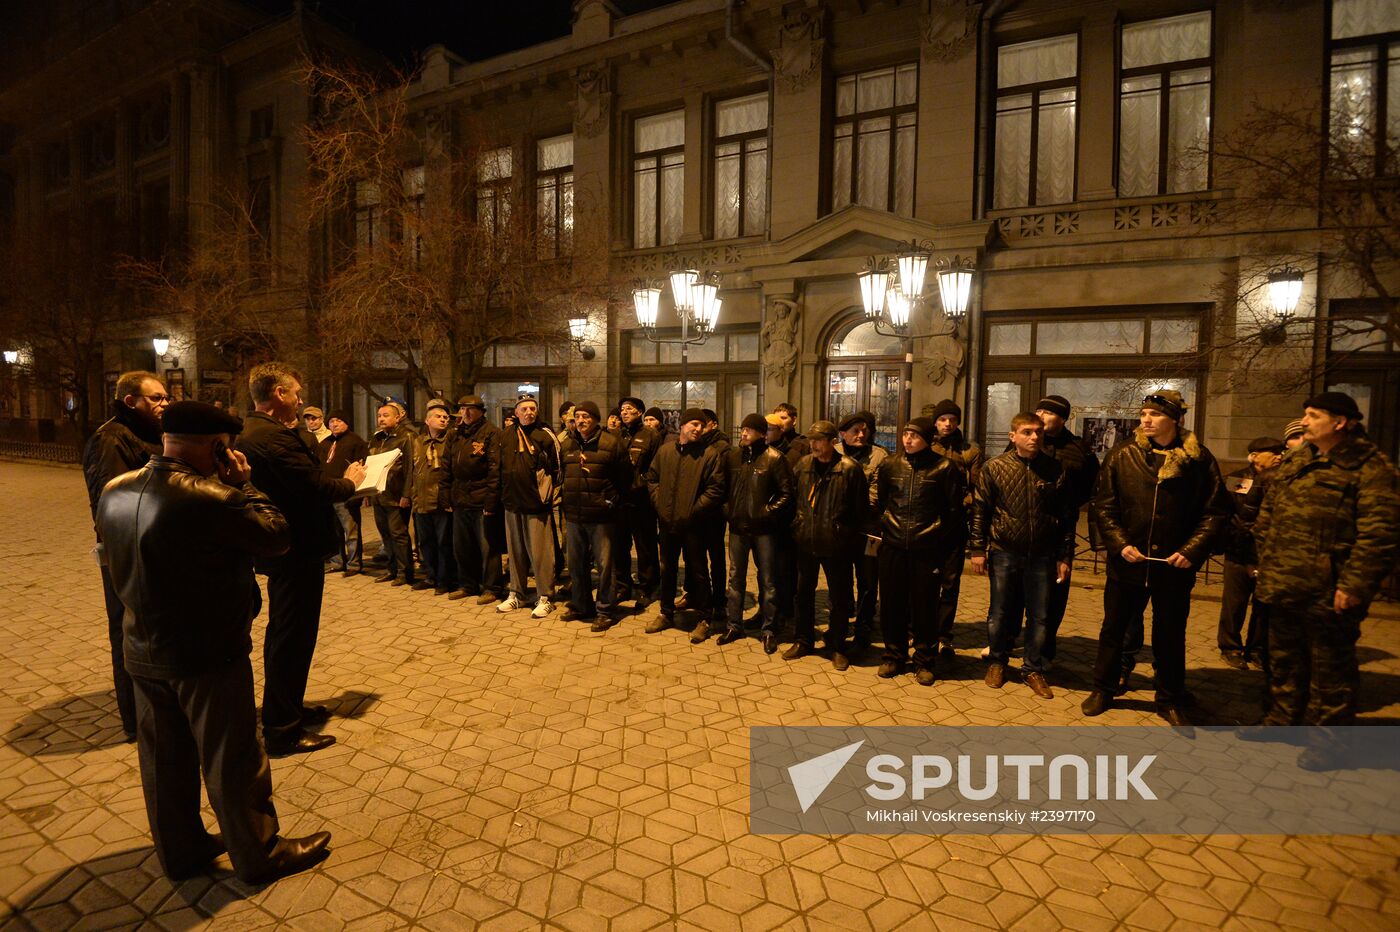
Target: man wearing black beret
184, 572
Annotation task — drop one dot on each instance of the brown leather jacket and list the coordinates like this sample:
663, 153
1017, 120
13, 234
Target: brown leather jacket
180, 550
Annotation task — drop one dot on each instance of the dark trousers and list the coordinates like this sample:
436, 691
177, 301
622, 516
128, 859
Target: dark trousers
1313, 673
1054, 615
786, 575
477, 554
1020, 583
763, 549
698, 594
838, 570
867, 570
588, 543
205, 723
126, 697
1235, 601
950, 587
294, 592
908, 603
393, 532
712, 534
435, 546
1169, 592
637, 526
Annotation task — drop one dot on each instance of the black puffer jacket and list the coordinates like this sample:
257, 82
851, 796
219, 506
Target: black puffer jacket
400, 485
642, 444
476, 467
180, 549
597, 475
920, 501
760, 489
1023, 507
1161, 501
527, 453
120, 445
833, 502
686, 484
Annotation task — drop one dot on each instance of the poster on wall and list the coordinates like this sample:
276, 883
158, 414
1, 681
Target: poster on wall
175, 384
1104, 433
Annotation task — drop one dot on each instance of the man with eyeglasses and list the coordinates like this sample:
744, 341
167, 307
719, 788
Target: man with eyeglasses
1159, 501
123, 443
286, 469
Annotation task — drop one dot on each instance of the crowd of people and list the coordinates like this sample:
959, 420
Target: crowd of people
1309, 529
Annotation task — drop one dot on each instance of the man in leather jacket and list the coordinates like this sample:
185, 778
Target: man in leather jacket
121, 444
596, 475
833, 500
638, 521
1023, 532
758, 500
392, 506
857, 442
476, 498
919, 498
686, 484
184, 572
783, 437
1158, 504
968, 456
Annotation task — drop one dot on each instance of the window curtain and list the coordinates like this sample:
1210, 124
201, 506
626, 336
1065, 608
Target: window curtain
1160, 41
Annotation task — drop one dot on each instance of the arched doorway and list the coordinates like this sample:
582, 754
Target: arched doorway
863, 372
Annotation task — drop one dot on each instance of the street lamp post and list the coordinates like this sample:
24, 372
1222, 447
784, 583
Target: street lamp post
890, 290
696, 297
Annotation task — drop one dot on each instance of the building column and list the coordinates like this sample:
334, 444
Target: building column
125, 175
693, 219
179, 152
202, 138
1098, 99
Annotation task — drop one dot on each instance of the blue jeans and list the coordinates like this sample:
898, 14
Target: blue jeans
478, 558
349, 515
587, 543
1019, 581
435, 546
764, 548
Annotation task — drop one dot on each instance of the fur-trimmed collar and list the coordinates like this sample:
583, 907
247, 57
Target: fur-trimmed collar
1177, 455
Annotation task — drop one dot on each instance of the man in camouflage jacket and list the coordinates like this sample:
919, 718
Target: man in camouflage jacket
1328, 534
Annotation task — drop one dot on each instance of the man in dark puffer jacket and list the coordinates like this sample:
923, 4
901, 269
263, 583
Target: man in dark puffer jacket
759, 500
597, 476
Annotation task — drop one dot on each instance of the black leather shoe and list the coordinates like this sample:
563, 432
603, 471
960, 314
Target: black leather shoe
213, 847
770, 643
945, 650
1097, 703
575, 615
603, 622
924, 676
840, 660
422, 584
1174, 716
457, 595
387, 577
889, 669
303, 743
314, 714
642, 602
797, 650
292, 856
729, 636
1235, 659
402, 582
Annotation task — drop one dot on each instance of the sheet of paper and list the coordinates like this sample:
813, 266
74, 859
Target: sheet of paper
377, 472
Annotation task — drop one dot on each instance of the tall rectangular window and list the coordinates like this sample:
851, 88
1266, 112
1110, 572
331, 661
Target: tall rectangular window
658, 179
1164, 106
260, 218
1037, 88
414, 191
367, 216
741, 166
872, 149
554, 196
493, 174
1364, 87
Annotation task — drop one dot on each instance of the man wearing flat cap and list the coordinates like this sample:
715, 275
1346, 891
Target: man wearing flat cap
1159, 503
314, 420
476, 503
1328, 534
1247, 487
179, 538
858, 442
433, 452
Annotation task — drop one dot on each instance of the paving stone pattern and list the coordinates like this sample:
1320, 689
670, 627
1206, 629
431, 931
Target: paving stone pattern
512, 773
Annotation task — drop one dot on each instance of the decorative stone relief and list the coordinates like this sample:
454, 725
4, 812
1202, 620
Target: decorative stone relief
799, 53
778, 340
949, 29
593, 104
944, 355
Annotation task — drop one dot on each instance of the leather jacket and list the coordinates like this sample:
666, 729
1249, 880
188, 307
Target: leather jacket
1161, 501
1023, 507
920, 501
400, 484
432, 471
476, 467
760, 489
831, 506
642, 445
180, 549
120, 445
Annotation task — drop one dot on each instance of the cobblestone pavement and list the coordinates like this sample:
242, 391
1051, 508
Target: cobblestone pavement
516, 773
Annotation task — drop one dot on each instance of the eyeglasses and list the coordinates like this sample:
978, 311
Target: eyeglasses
157, 399
1158, 399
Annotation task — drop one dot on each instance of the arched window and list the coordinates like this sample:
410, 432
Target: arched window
862, 373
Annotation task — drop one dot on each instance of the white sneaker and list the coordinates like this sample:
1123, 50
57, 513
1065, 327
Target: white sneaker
511, 603
542, 609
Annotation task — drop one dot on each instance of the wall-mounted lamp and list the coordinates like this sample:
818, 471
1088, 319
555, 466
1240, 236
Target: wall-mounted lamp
578, 330
161, 344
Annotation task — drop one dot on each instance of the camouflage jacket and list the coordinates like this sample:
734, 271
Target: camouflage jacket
1329, 521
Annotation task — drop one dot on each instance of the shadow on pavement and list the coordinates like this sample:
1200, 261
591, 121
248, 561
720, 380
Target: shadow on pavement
79, 723
352, 703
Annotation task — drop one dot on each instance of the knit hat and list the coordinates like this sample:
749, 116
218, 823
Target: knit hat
772, 420
341, 416
654, 412
526, 397
710, 416
947, 406
438, 403
1338, 403
1266, 445
693, 414
471, 401
923, 426
858, 417
1166, 401
199, 419
312, 411
591, 407
1055, 404
565, 407
635, 402
824, 429
755, 422
1294, 429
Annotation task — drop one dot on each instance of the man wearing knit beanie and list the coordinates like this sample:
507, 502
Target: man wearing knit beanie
642, 435
950, 442
1293, 434
337, 452
596, 474
858, 442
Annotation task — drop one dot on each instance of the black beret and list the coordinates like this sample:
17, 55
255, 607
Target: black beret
1338, 403
634, 401
859, 417
199, 419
